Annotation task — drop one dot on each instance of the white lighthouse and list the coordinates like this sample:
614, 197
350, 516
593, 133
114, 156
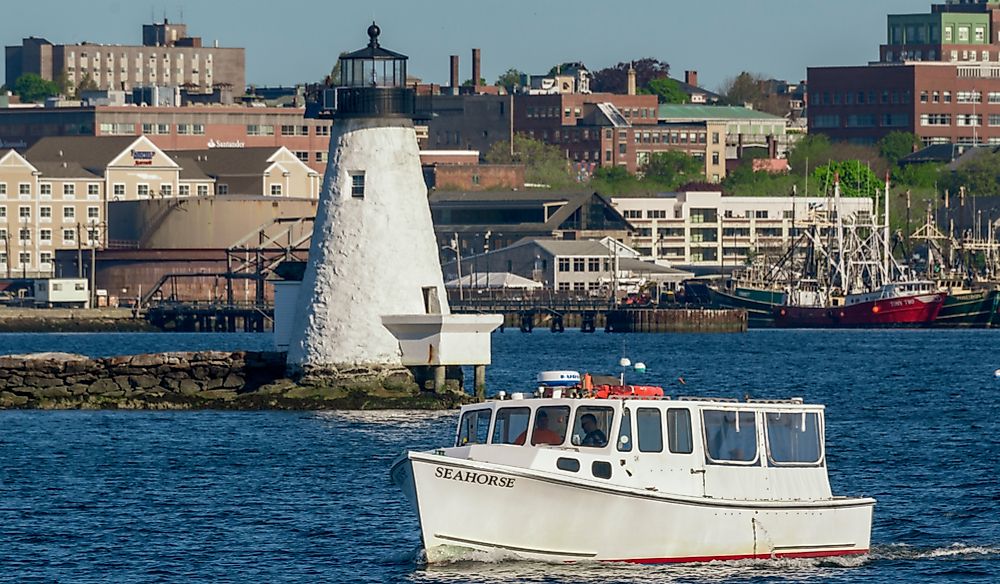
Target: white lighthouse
373, 251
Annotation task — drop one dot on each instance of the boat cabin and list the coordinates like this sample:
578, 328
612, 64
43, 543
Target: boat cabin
698, 447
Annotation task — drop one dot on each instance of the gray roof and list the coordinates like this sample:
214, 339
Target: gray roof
567, 247
640, 266
189, 168
217, 162
93, 153
66, 169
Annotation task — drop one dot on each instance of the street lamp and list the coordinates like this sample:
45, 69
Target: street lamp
454, 246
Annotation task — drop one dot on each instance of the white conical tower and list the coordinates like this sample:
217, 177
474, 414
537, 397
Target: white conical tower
373, 247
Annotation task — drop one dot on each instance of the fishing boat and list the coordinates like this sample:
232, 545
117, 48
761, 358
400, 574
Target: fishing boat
905, 304
625, 474
964, 308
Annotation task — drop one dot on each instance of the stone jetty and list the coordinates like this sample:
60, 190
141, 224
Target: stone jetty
200, 380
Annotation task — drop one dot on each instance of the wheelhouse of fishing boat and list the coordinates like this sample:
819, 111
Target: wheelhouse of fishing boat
700, 447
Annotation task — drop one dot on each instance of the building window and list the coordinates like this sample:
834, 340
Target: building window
183, 190
578, 265
142, 190
715, 158
320, 156
183, 129
563, 264
322, 130
166, 190
24, 234
198, 129
260, 130
287, 130
275, 190
656, 214
593, 265
3, 189
358, 184
69, 190
45, 235
119, 190
564, 286
302, 155
69, 213
222, 189
24, 189
45, 257
45, 213
44, 189
69, 235
24, 212
760, 214
93, 213
25, 258
202, 190
3, 213
93, 189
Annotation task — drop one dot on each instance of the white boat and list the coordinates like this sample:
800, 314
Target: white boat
633, 479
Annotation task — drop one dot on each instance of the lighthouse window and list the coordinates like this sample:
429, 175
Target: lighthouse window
730, 436
474, 428
793, 437
358, 185
511, 424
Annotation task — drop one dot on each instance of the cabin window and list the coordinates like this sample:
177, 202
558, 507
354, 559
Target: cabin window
568, 464
650, 429
601, 469
793, 437
511, 423
730, 436
550, 426
625, 432
679, 431
474, 427
592, 425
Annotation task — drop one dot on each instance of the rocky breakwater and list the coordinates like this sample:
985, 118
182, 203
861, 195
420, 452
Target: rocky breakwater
202, 380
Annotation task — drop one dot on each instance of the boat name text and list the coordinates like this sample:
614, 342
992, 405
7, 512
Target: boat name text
474, 477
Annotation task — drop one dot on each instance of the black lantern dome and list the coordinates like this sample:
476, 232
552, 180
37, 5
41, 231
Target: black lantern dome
373, 82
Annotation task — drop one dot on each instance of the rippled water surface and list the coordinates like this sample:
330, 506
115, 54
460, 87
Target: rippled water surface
305, 497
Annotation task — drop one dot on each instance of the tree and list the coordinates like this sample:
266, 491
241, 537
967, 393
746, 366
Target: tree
615, 79
856, 178
666, 90
334, 77
31, 87
923, 175
87, 83
896, 145
673, 168
544, 164
562, 67
468, 82
808, 153
510, 79
980, 175
742, 89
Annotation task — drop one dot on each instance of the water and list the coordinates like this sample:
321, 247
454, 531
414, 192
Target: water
305, 497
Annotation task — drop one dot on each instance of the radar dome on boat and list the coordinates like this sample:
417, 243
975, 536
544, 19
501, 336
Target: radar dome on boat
625, 362
559, 378
640, 367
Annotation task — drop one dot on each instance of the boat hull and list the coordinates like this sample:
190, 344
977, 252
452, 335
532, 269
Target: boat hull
976, 309
758, 304
467, 505
908, 311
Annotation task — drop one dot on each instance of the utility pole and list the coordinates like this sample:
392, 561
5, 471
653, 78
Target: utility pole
486, 255
79, 252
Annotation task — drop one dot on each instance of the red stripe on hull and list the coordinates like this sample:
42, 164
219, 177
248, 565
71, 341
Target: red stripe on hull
789, 555
888, 312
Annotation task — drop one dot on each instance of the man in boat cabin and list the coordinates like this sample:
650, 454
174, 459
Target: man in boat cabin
541, 434
594, 436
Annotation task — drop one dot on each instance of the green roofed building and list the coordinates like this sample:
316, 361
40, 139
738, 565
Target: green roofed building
745, 127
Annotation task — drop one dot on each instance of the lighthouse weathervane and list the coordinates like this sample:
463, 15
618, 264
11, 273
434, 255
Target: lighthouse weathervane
373, 256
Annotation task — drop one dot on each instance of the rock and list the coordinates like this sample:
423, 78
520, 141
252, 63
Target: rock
77, 389
233, 381
199, 372
217, 394
189, 387
123, 383
53, 392
144, 381
10, 400
279, 387
42, 381
103, 387
213, 383
149, 360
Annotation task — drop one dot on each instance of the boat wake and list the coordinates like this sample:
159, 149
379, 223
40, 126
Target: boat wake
958, 551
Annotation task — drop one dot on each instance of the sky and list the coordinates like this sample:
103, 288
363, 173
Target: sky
292, 41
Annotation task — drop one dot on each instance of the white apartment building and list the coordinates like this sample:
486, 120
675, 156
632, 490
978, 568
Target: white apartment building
707, 229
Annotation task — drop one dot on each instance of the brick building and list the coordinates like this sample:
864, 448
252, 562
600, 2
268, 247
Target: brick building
167, 57
938, 77
176, 128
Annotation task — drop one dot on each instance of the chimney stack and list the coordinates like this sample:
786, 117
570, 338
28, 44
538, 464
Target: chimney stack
476, 71
691, 78
631, 80
454, 75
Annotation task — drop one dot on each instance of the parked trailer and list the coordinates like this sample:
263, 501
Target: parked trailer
62, 293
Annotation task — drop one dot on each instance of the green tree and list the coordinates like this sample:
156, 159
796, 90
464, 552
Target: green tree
857, 179
896, 145
666, 90
980, 174
30, 87
544, 164
924, 175
672, 169
468, 82
333, 78
809, 153
510, 79
615, 79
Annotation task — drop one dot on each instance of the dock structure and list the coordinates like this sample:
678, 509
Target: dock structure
589, 315
209, 317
